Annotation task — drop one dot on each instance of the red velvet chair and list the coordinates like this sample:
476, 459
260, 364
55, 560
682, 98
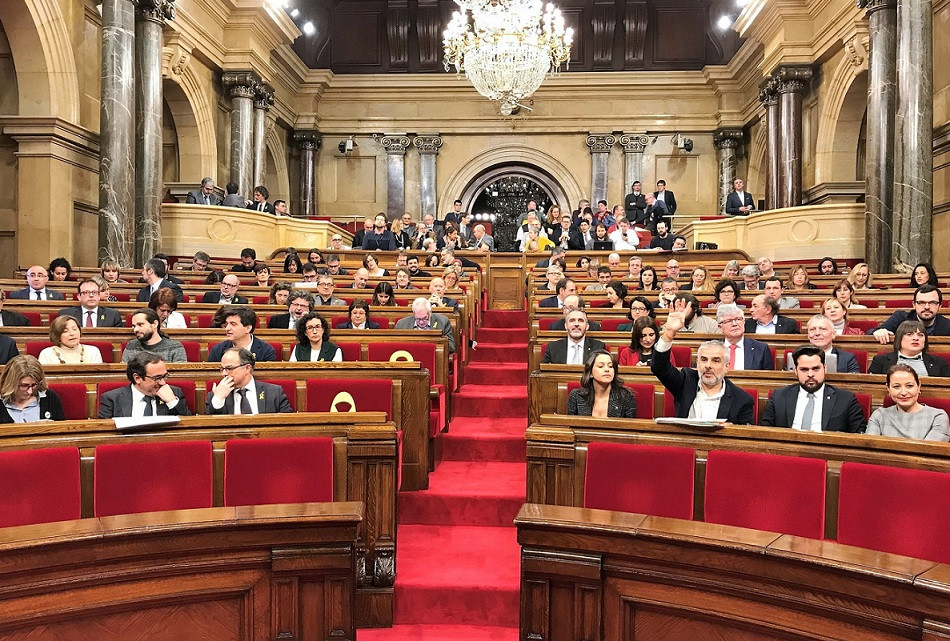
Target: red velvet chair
862, 358
34, 318
544, 324
864, 400
754, 393
645, 479
895, 510
612, 324
105, 350
33, 348
351, 351
642, 393
899, 303
39, 486
350, 395
425, 354
260, 300
278, 470
279, 349
73, 397
682, 355
121, 296
151, 477
192, 351
204, 320
863, 325
187, 391
784, 494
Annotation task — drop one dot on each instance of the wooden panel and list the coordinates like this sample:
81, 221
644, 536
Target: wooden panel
506, 282
679, 37
358, 43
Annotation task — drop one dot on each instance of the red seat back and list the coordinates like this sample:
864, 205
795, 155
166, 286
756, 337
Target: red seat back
642, 393
278, 470
33, 348
784, 494
105, 350
611, 324
260, 300
899, 303
862, 358
895, 510
864, 400
545, 323
73, 397
681, 355
382, 321
39, 486
754, 393
33, 317
351, 351
204, 320
150, 477
192, 351
421, 352
278, 348
646, 479
863, 325
350, 395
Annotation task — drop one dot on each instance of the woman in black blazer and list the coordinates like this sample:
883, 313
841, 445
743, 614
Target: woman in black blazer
910, 341
358, 316
23, 388
602, 392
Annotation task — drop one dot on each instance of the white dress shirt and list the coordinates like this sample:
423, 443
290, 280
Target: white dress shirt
740, 353
575, 352
800, 410
138, 403
706, 406
217, 403
85, 315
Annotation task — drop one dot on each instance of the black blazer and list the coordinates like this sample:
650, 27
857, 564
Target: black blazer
556, 351
271, 399
118, 403
215, 297
12, 319
840, 410
280, 321
105, 316
51, 408
735, 405
635, 206
621, 404
548, 302
733, 204
783, 325
8, 349
348, 325
576, 241
268, 208
936, 366
668, 198
146, 292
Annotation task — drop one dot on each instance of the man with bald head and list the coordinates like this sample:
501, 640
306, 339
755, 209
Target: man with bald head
821, 334
37, 277
572, 303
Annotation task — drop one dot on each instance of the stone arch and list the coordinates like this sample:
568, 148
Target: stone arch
275, 160
840, 117
194, 121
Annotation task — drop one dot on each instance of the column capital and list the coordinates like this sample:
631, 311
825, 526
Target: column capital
873, 5
240, 84
727, 138
768, 91
264, 96
632, 143
308, 139
394, 144
792, 78
155, 10
600, 143
427, 143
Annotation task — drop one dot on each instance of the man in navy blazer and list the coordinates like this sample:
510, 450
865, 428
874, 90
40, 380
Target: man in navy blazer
154, 273
743, 352
228, 293
821, 334
739, 202
8, 349
577, 346
565, 287
813, 405
37, 277
238, 392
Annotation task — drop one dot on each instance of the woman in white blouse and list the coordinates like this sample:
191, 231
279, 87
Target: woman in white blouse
67, 349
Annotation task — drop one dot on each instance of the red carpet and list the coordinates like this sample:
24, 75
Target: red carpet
458, 560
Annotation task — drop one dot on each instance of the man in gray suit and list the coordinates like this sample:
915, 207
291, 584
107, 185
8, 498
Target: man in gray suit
479, 238
232, 198
239, 393
149, 393
205, 195
88, 313
423, 318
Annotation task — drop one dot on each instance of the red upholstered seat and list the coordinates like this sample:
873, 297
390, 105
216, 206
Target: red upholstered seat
899, 303
864, 400
895, 510
863, 325
862, 358
645, 479
383, 321
260, 300
121, 296
336, 321
754, 393
39, 486
806, 303
33, 348
192, 351
425, 354
278, 348
350, 395
351, 351
642, 393
611, 324
204, 320
278, 470
105, 350
545, 323
682, 355
784, 494
33, 317
187, 390
150, 477
73, 397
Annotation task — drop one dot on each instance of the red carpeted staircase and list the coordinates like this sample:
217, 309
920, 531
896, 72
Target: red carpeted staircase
458, 560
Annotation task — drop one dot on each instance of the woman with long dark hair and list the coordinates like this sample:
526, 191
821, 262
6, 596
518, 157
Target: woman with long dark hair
602, 392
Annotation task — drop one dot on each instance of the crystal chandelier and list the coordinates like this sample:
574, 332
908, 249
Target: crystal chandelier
507, 48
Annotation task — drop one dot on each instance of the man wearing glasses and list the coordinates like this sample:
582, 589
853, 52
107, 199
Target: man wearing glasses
325, 297
927, 301
88, 313
37, 277
299, 304
741, 352
228, 294
149, 393
238, 392
149, 338
205, 195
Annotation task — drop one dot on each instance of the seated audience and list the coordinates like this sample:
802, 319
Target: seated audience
923, 274
248, 261
481, 239
672, 268
639, 307
232, 198
827, 266
927, 301
373, 268
910, 348
238, 392
649, 281
325, 289
104, 294
164, 303
571, 303
452, 239
552, 274
309, 277
384, 295
109, 270
402, 237
154, 273
37, 277
642, 341
8, 349
403, 279
603, 277
299, 304
623, 237
634, 267
239, 324
149, 338
731, 270
750, 278
766, 268
437, 294
60, 269
88, 313
358, 317
669, 288
860, 276
821, 334
663, 239
260, 201
743, 353
25, 394
908, 417
227, 295
700, 283
9, 318
679, 243
811, 404
726, 292
360, 234
602, 393
262, 275
798, 280
315, 257
576, 347
838, 315
165, 262
313, 344
336, 244
773, 288
424, 318
765, 318
66, 335
696, 321
378, 236
413, 267
204, 195
279, 293
844, 292
149, 393
214, 277
564, 288
200, 261
360, 276
451, 276
292, 264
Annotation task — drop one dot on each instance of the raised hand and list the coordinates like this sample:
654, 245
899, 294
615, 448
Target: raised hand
676, 319
223, 388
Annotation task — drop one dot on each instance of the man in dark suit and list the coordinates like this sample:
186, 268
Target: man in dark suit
571, 303
228, 294
665, 196
742, 352
577, 346
8, 349
719, 397
238, 392
154, 275
299, 304
248, 261
11, 319
765, 318
927, 301
149, 393
812, 405
239, 324
360, 234
565, 288
260, 201
88, 313
581, 239
635, 204
37, 277
205, 195
739, 202
561, 235
424, 318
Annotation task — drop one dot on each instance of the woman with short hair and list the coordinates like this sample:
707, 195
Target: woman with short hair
67, 348
165, 304
313, 332
910, 348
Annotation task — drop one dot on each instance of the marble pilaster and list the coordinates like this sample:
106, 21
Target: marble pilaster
600, 146
727, 143
117, 133
913, 137
792, 81
150, 17
633, 146
308, 141
242, 88
428, 146
768, 95
882, 100
263, 100
395, 146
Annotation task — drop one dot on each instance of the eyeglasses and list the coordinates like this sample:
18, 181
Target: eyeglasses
927, 303
313, 328
731, 321
230, 368
637, 308
27, 386
89, 292
158, 378
229, 285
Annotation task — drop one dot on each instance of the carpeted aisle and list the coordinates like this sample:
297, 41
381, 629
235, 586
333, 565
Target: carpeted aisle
458, 560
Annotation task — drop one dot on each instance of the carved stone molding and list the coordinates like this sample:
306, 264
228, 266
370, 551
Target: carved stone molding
874, 5
768, 91
264, 97
427, 144
241, 84
601, 143
395, 144
155, 10
635, 27
727, 138
793, 79
310, 139
857, 48
634, 143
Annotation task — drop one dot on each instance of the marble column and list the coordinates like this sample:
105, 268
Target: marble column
117, 133
428, 146
913, 138
792, 82
149, 20
395, 146
768, 95
633, 146
308, 141
242, 88
882, 100
600, 146
727, 143
263, 101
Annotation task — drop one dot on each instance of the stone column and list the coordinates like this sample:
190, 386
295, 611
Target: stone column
308, 141
769, 97
242, 87
428, 146
727, 142
913, 172
882, 99
633, 146
600, 146
395, 146
792, 82
263, 100
149, 20
117, 134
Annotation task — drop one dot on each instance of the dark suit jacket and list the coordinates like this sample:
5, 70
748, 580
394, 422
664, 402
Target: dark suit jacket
261, 350
557, 233
118, 403
215, 297
8, 349
12, 319
621, 404
735, 405
560, 325
268, 208
105, 316
280, 321
941, 326
783, 325
51, 409
271, 399
197, 198
668, 198
556, 351
847, 363
576, 241
635, 206
733, 204
550, 301
654, 214
756, 353
840, 411
935, 365
24, 294
348, 325
146, 292
449, 302
358, 238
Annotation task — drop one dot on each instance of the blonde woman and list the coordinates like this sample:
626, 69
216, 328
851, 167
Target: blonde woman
67, 349
26, 397
861, 276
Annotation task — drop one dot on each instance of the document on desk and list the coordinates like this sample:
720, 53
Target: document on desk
138, 423
714, 424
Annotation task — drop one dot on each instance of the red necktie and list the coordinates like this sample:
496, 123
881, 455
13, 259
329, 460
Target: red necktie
88, 319
732, 356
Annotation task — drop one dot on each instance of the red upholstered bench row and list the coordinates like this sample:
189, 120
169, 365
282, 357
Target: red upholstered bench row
890, 509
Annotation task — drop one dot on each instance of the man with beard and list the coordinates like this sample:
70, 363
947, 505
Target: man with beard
577, 346
148, 338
